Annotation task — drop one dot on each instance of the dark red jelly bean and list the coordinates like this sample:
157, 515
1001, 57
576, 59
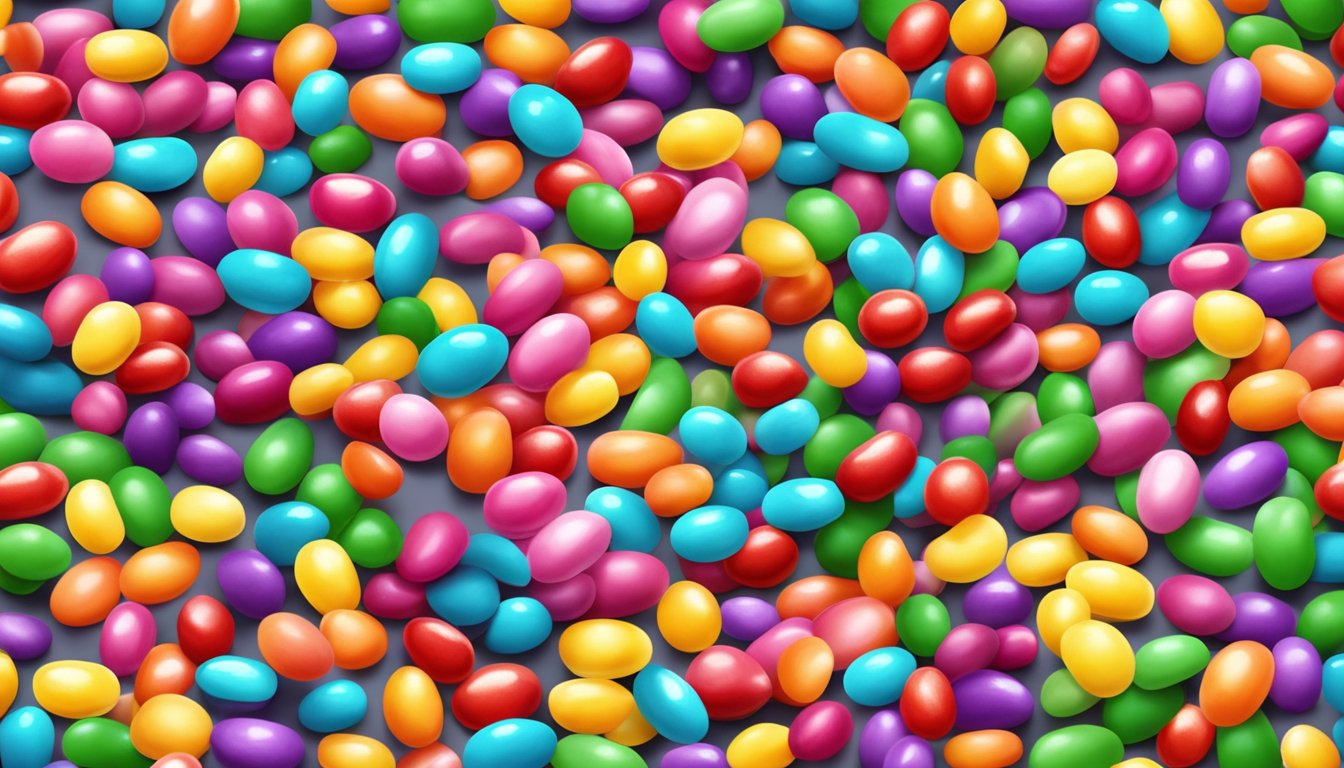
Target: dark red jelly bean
970, 90
1111, 232
892, 318
36, 256
978, 319
768, 558
548, 449
557, 180
30, 100
1185, 740
356, 411
654, 199
496, 692
730, 278
595, 72
934, 374
1072, 54
877, 467
1274, 179
956, 489
1202, 420
765, 379
205, 629
155, 367
30, 488
437, 647
918, 35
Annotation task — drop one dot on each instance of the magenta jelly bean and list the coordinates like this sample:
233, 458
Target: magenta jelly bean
865, 194
605, 155
900, 417
567, 546
712, 576
389, 596
485, 106
1195, 604
1145, 162
71, 151
1116, 375
767, 648
209, 460
1008, 360
1125, 95
100, 407
257, 219
1233, 99
173, 102
63, 27
525, 294
434, 545
1130, 433
127, 635
626, 121
627, 583
431, 166
475, 238
1038, 504
219, 352
1177, 107
1209, 267
1005, 481
412, 427
73, 68
116, 108
221, 101
677, 29
1299, 135
657, 77
552, 347
820, 731
708, 222
1018, 647
1168, 490
966, 649
520, 505
262, 114
186, 283
351, 202
565, 600
925, 582
1164, 325
1038, 311
253, 393
1204, 174
152, 435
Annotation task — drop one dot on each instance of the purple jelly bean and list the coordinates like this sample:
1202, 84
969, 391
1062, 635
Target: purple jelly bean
251, 584
694, 756
1233, 99
1116, 375
23, 637
793, 104
747, 618
1039, 504
657, 77
997, 600
1018, 647
609, 11
835, 100
880, 385
1260, 617
151, 436
914, 200
566, 600
485, 105
1048, 14
297, 339
209, 460
964, 416
128, 275
909, 752
879, 735
1297, 675
528, 212
202, 226
1299, 135
730, 78
1032, 216
219, 352
246, 742
991, 699
966, 649
1195, 604
365, 42
244, 60
1247, 475
1281, 288
1203, 174
1225, 222
193, 404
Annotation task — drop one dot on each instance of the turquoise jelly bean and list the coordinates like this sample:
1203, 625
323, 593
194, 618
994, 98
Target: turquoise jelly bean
545, 121
283, 529
406, 254
498, 557
1109, 297
908, 500
153, 165
877, 678
1330, 155
237, 680
1050, 265
333, 706
803, 504
738, 488
670, 705
708, 534
1168, 227
665, 325
826, 14
1332, 681
466, 596
23, 335
42, 388
519, 625
441, 67
514, 742
860, 142
713, 435
803, 164
461, 360
263, 281
1329, 558
932, 83
26, 738
788, 426
14, 157
321, 102
285, 172
634, 527
879, 261
137, 14
940, 271
1135, 28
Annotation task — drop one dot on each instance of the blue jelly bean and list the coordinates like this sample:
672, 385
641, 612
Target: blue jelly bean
1167, 227
405, 257
545, 121
237, 680
461, 360
441, 67
321, 102
333, 706
283, 529
1109, 297
739, 487
153, 165
908, 500
670, 705
940, 271
26, 738
23, 335
285, 172
137, 14
498, 557
1135, 28
263, 281
1330, 155
877, 678
709, 534
1050, 265
665, 325
803, 164
787, 427
520, 624
712, 434
634, 527
803, 504
1332, 681
879, 262
826, 14
42, 388
1329, 568
516, 742
932, 83
464, 597
860, 142
14, 157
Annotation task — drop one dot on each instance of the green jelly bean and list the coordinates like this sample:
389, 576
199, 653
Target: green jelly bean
410, 317
17, 586
838, 543
279, 457
1212, 547
665, 396
878, 15
1252, 744
827, 221
834, 439
32, 552
1307, 453
995, 268
343, 149
1027, 116
776, 467
1077, 746
847, 300
935, 140
271, 19
600, 217
1248, 33
98, 742
1318, 19
1127, 493
144, 501
1058, 448
5, 407
977, 448
86, 455
1166, 381
1062, 696
1018, 61
445, 21
1061, 394
712, 387
326, 488
372, 539
1283, 543
22, 438
824, 397
1138, 714
1325, 195
740, 25
1166, 661
1321, 623
922, 622
1296, 485
1012, 417
581, 750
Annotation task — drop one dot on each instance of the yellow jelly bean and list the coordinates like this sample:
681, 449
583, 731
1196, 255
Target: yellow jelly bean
326, 576
1044, 560
780, 249
640, 269
1306, 746
1083, 124
1113, 591
413, 707
75, 689
170, 723
232, 168
605, 648
106, 336
623, 355
977, 25
92, 517
968, 551
833, 354
689, 617
383, 357
1099, 657
1058, 610
1000, 161
333, 254
1283, 233
590, 706
1137, 762
1230, 324
314, 390
763, 745
1083, 176
547, 14
633, 732
9, 682
121, 214
450, 304
1195, 29
348, 305
6, 11
700, 138
207, 514
581, 397
126, 55
350, 750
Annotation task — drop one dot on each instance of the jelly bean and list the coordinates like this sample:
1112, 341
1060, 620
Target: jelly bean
333, 706
529, 743
245, 740
75, 689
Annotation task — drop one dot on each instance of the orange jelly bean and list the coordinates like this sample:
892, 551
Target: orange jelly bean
886, 571
23, 47
1268, 400
493, 166
199, 29
166, 669
678, 489
386, 107
759, 149
964, 213
1275, 346
794, 300
160, 573
371, 472
499, 267
872, 84
303, 51
1067, 347
1109, 535
805, 669
628, 458
725, 334
293, 647
358, 640
582, 269
605, 311
121, 214
87, 592
1292, 79
809, 596
1236, 683
533, 54
624, 356
983, 749
1322, 411
806, 51
480, 450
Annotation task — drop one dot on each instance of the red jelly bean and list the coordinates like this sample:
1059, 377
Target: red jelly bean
205, 628
956, 489
893, 318
934, 374
730, 278
970, 90
1202, 420
877, 467
548, 449
766, 379
1111, 232
164, 322
1072, 54
557, 180
605, 311
9, 203
1274, 179
918, 35
1330, 492
768, 558
437, 647
37, 255
1327, 282
1185, 740
732, 684
1319, 358
30, 100
30, 488
595, 72
654, 199
357, 409
927, 705
496, 692
154, 367
978, 319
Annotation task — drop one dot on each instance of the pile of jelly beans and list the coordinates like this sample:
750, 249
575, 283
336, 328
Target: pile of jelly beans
1055, 308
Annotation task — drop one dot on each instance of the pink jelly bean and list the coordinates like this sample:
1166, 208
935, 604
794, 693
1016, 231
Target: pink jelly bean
431, 166
100, 407
1165, 324
68, 302
1039, 504
1006, 480
1195, 604
627, 583
62, 28
219, 352
864, 193
1168, 490
250, 322
186, 283
1125, 95
605, 155
259, 219
551, 348
1209, 267
1006, 361
627, 121
965, 649
389, 596
1018, 647
1039, 311
767, 648
412, 427
263, 115
925, 582
565, 600
1299, 135
1145, 162
174, 102
434, 544
520, 505
677, 29
568, 545
855, 626
1177, 107
708, 221
114, 107
1129, 434
127, 635
476, 238
73, 68
1116, 374
253, 393
900, 417
71, 151
525, 294
726, 170
351, 202
221, 100
820, 731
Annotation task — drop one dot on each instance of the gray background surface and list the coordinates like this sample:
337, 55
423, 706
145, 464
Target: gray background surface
427, 487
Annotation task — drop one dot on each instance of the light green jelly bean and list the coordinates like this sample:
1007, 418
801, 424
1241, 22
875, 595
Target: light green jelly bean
600, 217
824, 397
98, 742
22, 438
1061, 394
86, 455
372, 539
1212, 547
1060, 447
826, 220
1284, 548
995, 269
1325, 195
667, 394
410, 317
1012, 417
1321, 623
1138, 714
847, 300
1018, 61
1252, 744
343, 149
326, 488
32, 552
1062, 696
279, 457
878, 15
776, 467
1027, 116
17, 586
445, 21
145, 503
581, 750
1318, 19
1248, 33
1307, 453
740, 25
834, 439
1166, 381
1127, 492
272, 19
922, 622
935, 140
1077, 746
1296, 485
977, 448
1165, 661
